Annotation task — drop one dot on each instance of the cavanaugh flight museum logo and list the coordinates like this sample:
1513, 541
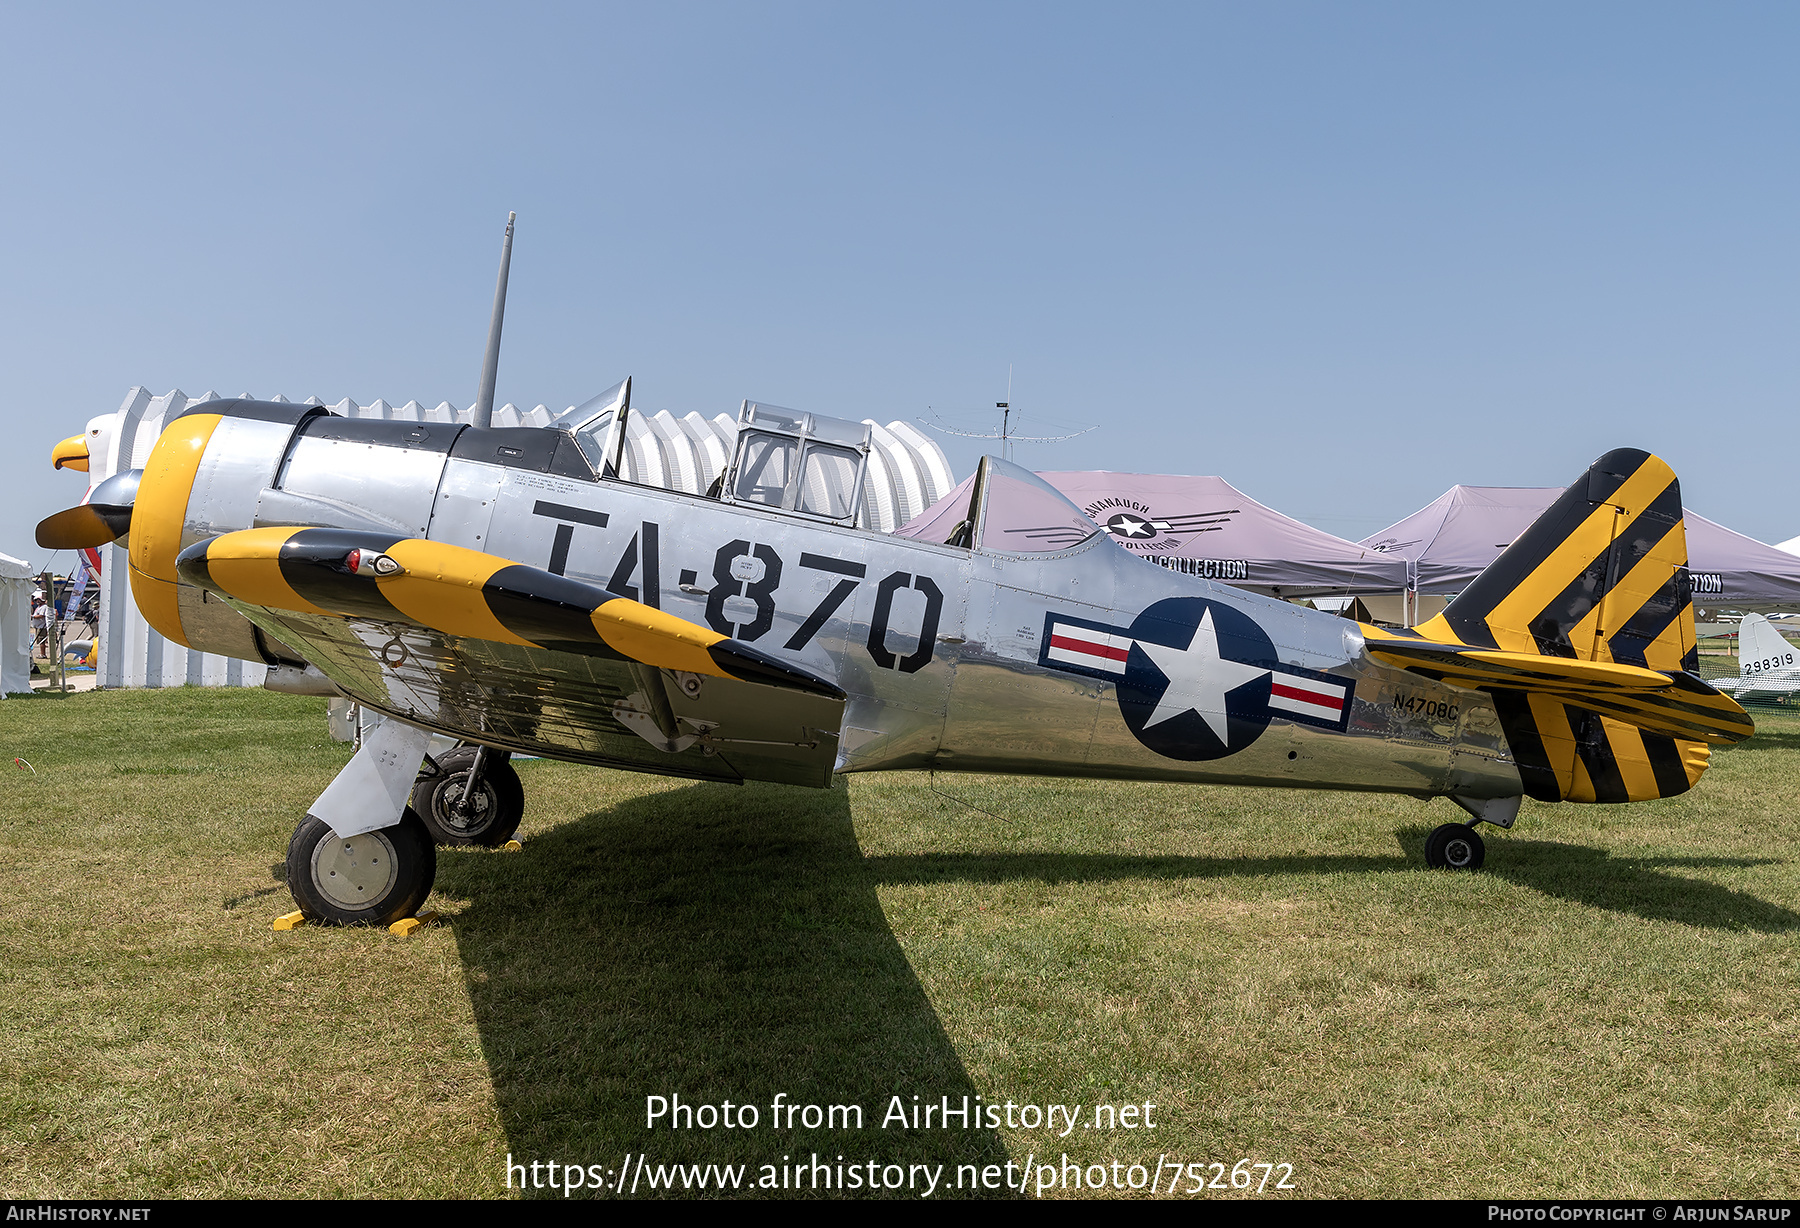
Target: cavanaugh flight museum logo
1195, 679
1133, 525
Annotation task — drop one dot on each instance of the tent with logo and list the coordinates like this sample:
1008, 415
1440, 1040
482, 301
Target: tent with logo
1452, 539
1200, 526
1204, 526
15, 626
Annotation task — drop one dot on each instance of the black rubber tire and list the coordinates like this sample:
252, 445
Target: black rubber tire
395, 866
1455, 846
498, 804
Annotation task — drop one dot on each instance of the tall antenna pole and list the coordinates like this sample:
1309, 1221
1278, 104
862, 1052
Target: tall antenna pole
1006, 437
483, 413
1006, 417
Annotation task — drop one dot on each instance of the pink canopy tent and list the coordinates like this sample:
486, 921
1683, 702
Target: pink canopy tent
1453, 538
1203, 526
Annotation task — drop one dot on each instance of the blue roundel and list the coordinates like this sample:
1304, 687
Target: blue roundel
1197, 681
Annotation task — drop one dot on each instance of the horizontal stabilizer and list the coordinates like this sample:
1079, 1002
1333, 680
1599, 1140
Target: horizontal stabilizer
1478, 667
1675, 703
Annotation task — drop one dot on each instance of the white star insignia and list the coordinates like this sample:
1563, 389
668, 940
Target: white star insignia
1199, 678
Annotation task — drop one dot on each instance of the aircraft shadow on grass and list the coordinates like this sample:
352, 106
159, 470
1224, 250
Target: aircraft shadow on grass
728, 944
1638, 885
723, 943
1573, 872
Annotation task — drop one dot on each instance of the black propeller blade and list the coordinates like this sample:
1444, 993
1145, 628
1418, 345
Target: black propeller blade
105, 517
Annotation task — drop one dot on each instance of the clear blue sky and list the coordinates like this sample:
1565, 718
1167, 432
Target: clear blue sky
1344, 255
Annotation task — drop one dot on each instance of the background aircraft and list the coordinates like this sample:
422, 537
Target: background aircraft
1768, 663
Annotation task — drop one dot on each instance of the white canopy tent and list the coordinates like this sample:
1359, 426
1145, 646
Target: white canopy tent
15, 626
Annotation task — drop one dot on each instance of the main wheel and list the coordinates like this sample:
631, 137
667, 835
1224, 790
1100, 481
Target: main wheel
1455, 846
372, 879
492, 812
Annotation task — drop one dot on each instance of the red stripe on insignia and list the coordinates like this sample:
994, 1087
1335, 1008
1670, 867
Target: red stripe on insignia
1334, 702
1089, 648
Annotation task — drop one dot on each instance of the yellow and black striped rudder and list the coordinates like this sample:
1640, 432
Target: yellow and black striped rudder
1601, 576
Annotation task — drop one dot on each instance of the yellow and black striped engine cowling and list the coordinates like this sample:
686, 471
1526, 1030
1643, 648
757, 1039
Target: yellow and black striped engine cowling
206, 475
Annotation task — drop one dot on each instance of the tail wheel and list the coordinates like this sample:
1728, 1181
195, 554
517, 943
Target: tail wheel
1455, 846
372, 879
486, 815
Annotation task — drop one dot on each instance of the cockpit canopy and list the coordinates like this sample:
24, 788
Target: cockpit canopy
797, 462
598, 426
785, 460
1005, 509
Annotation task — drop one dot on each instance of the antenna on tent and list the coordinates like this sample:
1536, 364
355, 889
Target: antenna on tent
1006, 437
483, 412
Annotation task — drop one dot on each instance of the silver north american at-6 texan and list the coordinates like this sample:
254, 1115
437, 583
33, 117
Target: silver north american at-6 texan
506, 587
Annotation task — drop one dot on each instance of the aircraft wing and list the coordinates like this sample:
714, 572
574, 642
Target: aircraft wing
524, 659
1678, 704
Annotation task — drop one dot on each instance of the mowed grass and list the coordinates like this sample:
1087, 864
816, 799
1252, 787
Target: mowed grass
1607, 1010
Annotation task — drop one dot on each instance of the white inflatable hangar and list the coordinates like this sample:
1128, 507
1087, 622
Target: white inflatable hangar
907, 474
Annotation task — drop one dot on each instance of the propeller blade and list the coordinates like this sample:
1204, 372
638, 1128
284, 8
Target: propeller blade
83, 526
105, 517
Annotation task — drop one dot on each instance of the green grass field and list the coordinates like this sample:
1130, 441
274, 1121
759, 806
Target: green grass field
1607, 1010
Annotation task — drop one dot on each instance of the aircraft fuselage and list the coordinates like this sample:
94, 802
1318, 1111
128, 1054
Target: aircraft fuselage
1086, 661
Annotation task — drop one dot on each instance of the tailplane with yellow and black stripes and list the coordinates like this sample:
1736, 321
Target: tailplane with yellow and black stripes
1583, 633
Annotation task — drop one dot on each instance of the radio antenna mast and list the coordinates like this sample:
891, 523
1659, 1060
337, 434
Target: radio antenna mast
1006, 437
1005, 408
483, 412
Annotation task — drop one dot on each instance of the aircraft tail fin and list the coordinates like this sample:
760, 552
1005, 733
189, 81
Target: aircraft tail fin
1601, 577
1762, 648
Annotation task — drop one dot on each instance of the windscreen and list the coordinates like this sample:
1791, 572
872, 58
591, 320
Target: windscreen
595, 425
593, 439
1023, 514
942, 521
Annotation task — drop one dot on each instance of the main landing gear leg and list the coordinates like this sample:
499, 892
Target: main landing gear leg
362, 856
475, 797
1457, 846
